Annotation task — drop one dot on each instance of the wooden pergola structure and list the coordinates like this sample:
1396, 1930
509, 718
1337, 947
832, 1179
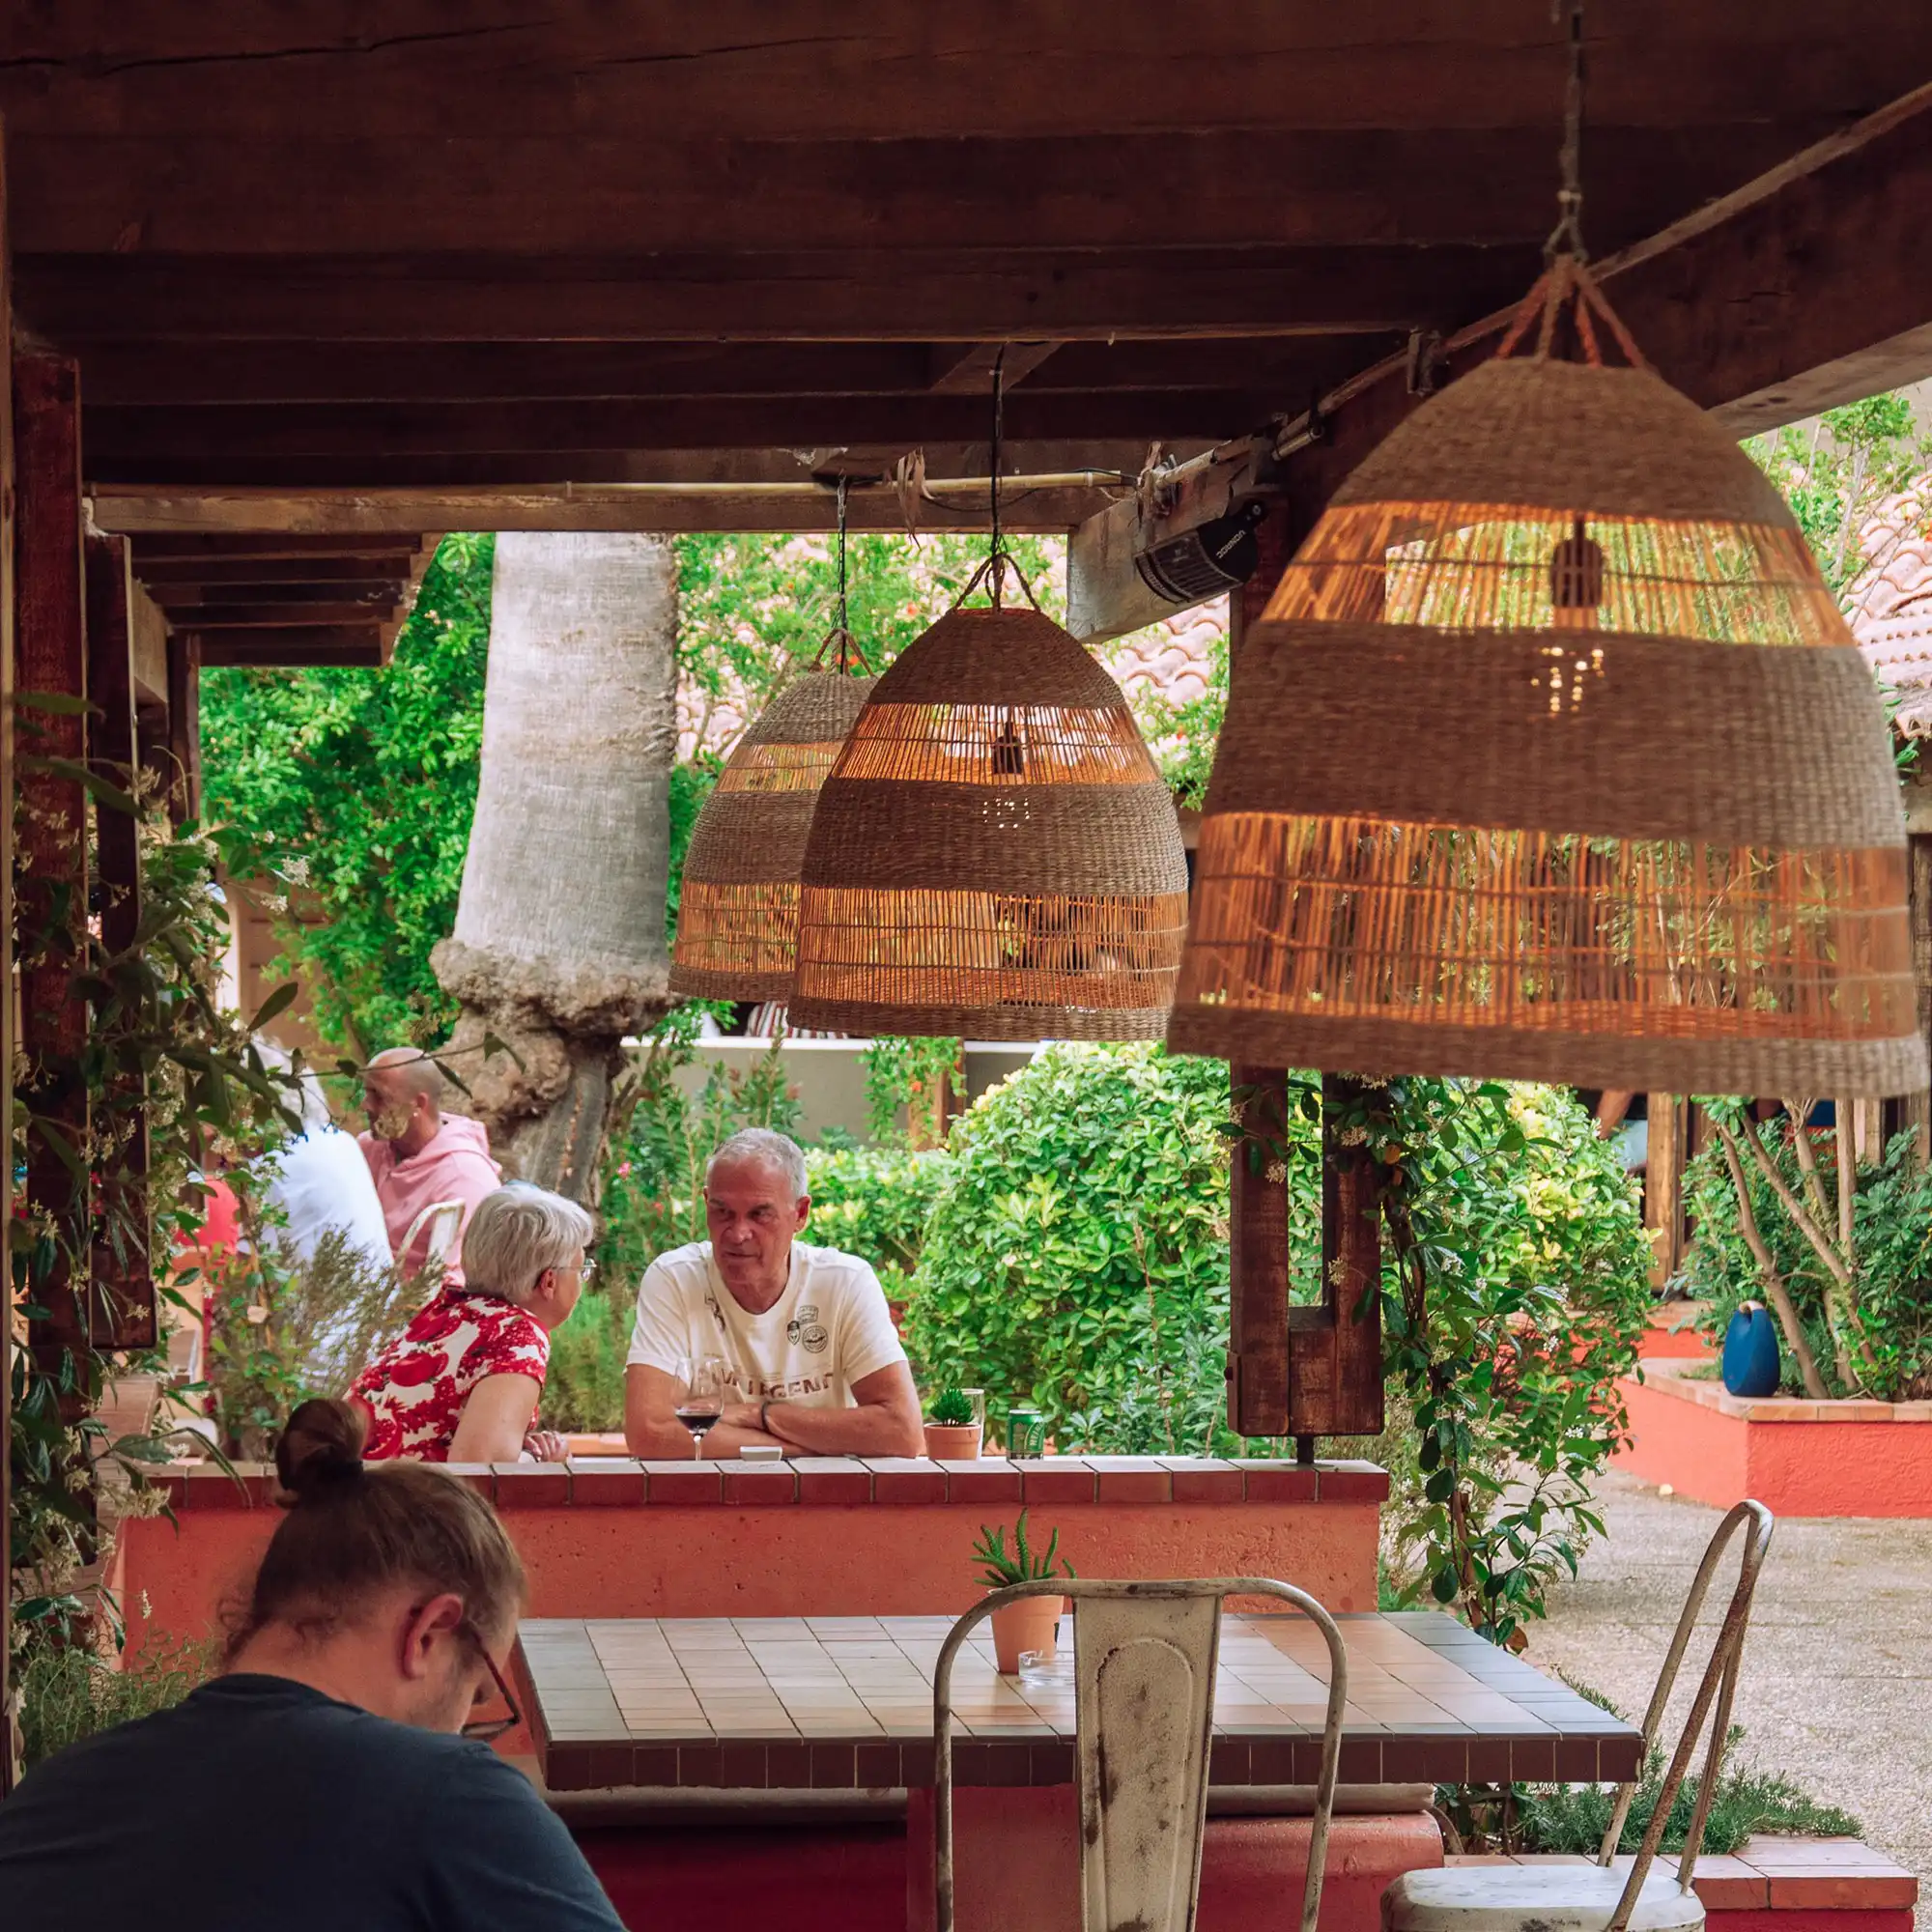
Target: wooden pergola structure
291, 290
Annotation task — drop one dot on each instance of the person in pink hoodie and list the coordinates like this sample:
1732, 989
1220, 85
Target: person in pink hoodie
418, 1155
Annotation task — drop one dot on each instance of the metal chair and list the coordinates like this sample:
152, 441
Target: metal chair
1597, 1898
445, 1221
1144, 1662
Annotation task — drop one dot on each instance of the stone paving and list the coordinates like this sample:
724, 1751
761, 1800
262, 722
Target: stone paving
1837, 1691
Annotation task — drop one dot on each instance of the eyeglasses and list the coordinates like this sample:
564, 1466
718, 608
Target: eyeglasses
486, 1729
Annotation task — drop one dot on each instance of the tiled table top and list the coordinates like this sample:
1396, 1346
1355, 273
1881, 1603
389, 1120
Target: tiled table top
846, 1703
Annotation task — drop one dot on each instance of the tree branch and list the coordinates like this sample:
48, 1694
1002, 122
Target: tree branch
1773, 1282
1800, 1110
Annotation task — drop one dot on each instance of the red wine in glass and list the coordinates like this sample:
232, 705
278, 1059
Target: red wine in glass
699, 1414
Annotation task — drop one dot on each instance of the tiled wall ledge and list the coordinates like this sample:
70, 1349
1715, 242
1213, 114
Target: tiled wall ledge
1777, 1874
840, 1481
1815, 1459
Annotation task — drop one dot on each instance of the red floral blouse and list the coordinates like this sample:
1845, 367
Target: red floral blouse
415, 1389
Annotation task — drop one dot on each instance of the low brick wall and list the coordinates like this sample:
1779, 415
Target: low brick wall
821, 1536
1799, 1458
1792, 1885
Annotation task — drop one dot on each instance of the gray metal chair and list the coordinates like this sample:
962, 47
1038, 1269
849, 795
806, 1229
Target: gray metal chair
1596, 1898
1144, 1662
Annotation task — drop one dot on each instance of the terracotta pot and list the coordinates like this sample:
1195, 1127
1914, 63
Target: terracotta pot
1031, 1624
953, 1442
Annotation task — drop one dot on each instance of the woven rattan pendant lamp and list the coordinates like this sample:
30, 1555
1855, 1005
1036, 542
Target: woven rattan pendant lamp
1553, 758
994, 855
737, 920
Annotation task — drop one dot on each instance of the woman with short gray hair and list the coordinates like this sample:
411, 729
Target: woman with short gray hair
462, 1381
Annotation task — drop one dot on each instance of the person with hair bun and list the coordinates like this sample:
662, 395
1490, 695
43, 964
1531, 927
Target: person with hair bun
360, 1679
461, 1384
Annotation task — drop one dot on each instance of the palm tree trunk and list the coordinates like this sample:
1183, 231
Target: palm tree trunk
559, 944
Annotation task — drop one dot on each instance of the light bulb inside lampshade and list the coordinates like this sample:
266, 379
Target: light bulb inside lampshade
1552, 758
994, 855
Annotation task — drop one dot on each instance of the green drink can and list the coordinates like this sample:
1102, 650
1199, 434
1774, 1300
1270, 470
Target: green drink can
1026, 1432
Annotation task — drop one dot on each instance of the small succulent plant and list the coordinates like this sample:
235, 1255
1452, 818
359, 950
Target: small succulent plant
951, 1408
997, 1569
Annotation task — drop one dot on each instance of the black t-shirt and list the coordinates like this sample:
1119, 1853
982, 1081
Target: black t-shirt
258, 1805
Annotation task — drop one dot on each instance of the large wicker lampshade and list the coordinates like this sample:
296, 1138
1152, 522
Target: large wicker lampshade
738, 920
994, 855
1553, 758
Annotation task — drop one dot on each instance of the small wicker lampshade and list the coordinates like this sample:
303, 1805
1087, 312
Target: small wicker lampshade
994, 854
1553, 758
738, 920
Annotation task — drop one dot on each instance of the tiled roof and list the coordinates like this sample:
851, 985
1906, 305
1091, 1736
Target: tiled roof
1891, 614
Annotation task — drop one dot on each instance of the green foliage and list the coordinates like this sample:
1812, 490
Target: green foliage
915, 1074
1836, 473
950, 1408
585, 1388
874, 1201
1892, 1247
1081, 1238
154, 1025
1182, 736
67, 1692
1025, 1565
355, 788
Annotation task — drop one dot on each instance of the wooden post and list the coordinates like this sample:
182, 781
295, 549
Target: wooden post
52, 657
183, 728
1663, 1186
10, 1018
122, 1312
1257, 1315
1917, 1108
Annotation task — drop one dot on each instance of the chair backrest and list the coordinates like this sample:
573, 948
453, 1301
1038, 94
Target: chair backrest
1143, 1660
444, 1222
1719, 1686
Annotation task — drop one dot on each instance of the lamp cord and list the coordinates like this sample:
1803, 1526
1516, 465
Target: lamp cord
1567, 237
844, 629
997, 553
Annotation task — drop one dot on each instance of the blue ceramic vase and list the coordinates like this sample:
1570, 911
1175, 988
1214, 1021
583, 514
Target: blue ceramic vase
1750, 1351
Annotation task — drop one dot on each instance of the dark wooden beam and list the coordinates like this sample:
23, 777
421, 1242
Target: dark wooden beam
52, 843
1259, 1258
222, 517
213, 190
923, 294
183, 728
210, 620
293, 646
967, 370
1800, 291
236, 545
349, 575
137, 445
785, 72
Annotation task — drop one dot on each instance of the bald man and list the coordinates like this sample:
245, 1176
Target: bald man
420, 1156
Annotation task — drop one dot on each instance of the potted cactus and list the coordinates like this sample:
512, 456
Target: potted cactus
1033, 1624
951, 1429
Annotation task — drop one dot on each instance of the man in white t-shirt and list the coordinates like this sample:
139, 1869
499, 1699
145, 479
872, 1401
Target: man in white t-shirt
805, 1330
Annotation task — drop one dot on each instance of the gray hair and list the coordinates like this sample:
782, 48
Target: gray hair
516, 1234
773, 1150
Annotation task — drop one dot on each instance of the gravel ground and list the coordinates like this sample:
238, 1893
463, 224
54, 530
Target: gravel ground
1837, 1666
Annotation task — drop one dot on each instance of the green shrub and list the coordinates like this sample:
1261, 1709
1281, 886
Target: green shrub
67, 1693
1080, 1238
874, 1201
1889, 1338
585, 1388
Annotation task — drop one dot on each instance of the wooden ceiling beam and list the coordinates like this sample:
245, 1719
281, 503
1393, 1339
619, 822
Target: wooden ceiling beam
786, 70
246, 575
213, 620
127, 444
876, 296
153, 514
968, 371
236, 543
212, 191
295, 644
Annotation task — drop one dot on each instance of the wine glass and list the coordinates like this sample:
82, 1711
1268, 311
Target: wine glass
705, 1380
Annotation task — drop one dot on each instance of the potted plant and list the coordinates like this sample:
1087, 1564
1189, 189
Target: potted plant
951, 1429
1032, 1624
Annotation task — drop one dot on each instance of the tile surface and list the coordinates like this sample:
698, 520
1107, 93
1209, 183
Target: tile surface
734, 1701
